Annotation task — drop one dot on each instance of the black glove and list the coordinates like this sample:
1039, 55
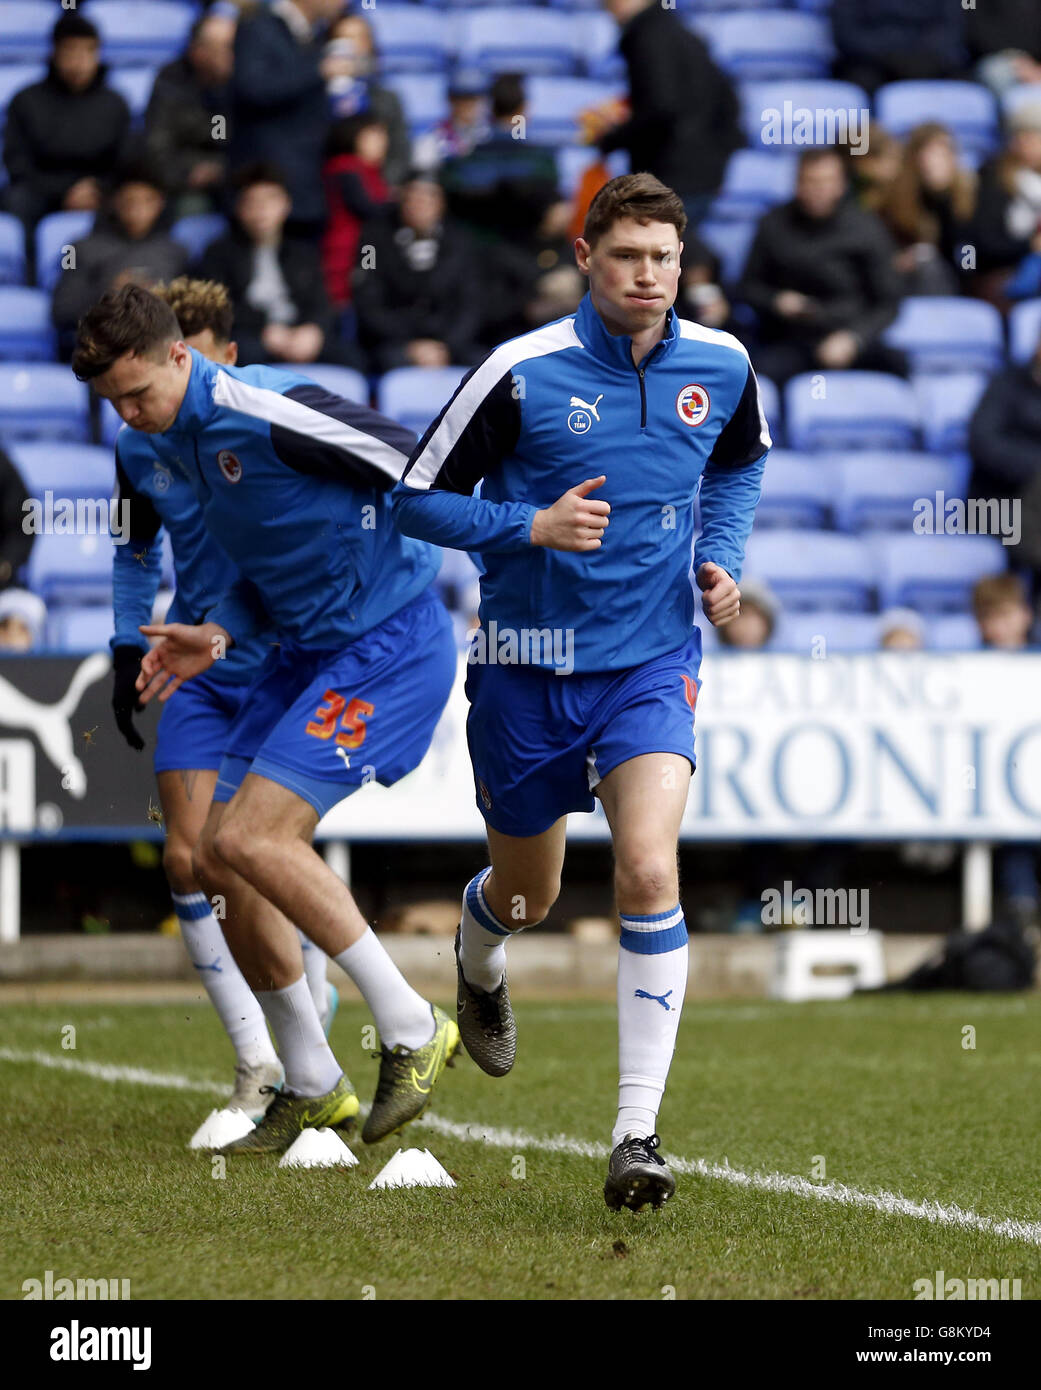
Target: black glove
126, 664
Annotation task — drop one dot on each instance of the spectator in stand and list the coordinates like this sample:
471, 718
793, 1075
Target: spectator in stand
66, 134
280, 108
282, 312
23, 621
928, 210
754, 626
355, 191
684, 121
1007, 225
872, 172
15, 542
182, 137
557, 293
901, 630
897, 40
1004, 39
701, 297
352, 58
465, 126
820, 277
130, 242
418, 303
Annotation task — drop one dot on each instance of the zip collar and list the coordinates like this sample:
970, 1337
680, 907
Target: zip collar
618, 348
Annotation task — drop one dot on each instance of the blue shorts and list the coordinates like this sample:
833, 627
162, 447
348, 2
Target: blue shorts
541, 743
196, 723
323, 724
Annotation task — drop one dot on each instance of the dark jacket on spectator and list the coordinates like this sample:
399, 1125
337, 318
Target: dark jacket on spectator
843, 262
229, 260
55, 137
397, 301
106, 253
1005, 434
684, 123
179, 123
502, 188
280, 111
996, 246
900, 37
15, 543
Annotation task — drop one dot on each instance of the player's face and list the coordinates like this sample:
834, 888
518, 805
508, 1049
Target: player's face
147, 393
634, 273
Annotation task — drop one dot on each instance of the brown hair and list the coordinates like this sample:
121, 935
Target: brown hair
996, 590
199, 304
640, 196
903, 206
130, 319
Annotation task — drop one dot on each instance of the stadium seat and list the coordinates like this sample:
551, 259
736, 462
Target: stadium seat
25, 30
344, 381
15, 76
825, 632
12, 250
722, 6
878, 491
68, 470
934, 573
599, 54
75, 569
814, 569
134, 85
754, 181
754, 46
414, 395
81, 628
1026, 94
731, 241
822, 99
555, 102
968, 109
521, 39
942, 333
1024, 330
42, 400
574, 160
411, 38
53, 234
141, 31
859, 410
26, 331
197, 231
424, 97
798, 490
947, 403
109, 423
952, 632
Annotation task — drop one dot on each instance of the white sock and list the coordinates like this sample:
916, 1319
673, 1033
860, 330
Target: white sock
402, 1016
311, 1068
235, 1002
652, 979
482, 938
315, 961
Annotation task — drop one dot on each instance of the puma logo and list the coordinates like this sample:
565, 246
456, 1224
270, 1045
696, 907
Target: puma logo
51, 723
577, 400
661, 998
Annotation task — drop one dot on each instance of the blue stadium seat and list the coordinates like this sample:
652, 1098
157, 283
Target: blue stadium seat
770, 398
68, 470
554, 104
934, 573
15, 76
521, 39
723, 6
424, 97
754, 46
42, 400
109, 423
798, 490
599, 54
12, 250
415, 395
947, 403
574, 160
412, 38
860, 410
197, 231
81, 628
968, 109
823, 633
731, 241
1024, 330
26, 331
1016, 98
814, 569
819, 98
141, 31
754, 181
879, 491
134, 85
53, 234
72, 568
952, 632
947, 333
584, 5
25, 30
342, 381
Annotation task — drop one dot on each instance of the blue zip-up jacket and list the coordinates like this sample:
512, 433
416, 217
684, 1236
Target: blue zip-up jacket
158, 496
565, 402
293, 483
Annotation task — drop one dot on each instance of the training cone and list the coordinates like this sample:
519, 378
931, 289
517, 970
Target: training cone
412, 1168
221, 1127
318, 1148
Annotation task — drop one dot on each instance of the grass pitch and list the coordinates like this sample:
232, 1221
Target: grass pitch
880, 1095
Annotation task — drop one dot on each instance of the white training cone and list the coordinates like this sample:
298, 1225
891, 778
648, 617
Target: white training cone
318, 1148
412, 1168
221, 1127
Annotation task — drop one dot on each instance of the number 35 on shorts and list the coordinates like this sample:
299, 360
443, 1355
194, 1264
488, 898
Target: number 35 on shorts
352, 724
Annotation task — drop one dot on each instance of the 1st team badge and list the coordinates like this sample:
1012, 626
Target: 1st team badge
692, 405
229, 465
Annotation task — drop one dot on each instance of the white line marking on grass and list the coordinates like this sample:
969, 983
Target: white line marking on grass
889, 1203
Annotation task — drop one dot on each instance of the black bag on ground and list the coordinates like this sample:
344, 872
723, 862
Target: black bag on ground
998, 958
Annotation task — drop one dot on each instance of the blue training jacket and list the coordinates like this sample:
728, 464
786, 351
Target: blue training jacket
293, 483
565, 402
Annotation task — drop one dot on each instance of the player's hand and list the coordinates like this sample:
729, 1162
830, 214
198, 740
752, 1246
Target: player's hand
720, 596
181, 652
126, 664
575, 521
